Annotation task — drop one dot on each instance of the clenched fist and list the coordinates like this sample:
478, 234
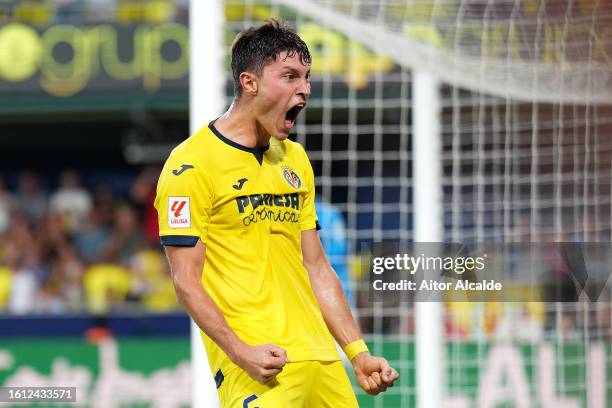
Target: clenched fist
374, 374
263, 363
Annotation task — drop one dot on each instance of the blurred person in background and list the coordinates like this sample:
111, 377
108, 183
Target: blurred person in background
101, 11
142, 194
104, 203
24, 286
68, 11
152, 11
64, 286
51, 235
31, 199
182, 11
7, 205
151, 281
35, 12
92, 237
126, 238
7, 9
22, 256
71, 201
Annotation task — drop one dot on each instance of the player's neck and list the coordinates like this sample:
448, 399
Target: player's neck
239, 125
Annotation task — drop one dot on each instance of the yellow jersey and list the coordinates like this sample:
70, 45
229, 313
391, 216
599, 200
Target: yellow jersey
249, 207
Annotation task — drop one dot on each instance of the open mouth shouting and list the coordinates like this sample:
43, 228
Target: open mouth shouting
292, 114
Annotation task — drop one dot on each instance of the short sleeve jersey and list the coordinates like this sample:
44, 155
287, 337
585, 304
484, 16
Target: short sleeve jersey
249, 207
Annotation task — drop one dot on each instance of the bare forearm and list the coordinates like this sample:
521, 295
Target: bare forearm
333, 304
203, 310
262, 362
373, 373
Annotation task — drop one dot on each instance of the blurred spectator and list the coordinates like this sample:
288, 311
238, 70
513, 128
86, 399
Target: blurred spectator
143, 194
104, 202
7, 9
126, 239
6, 279
68, 11
36, 12
71, 201
23, 291
522, 322
152, 11
7, 204
105, 286
52, 235
101, 10
20, 236
152, 284
93, 237
31, 200
24, 285
182, 11
65, 286
460, 319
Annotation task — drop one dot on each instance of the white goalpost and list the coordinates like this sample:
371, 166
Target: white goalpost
428, 227
206, 101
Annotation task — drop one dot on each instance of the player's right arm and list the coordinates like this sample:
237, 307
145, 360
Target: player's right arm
185, 195
262, 362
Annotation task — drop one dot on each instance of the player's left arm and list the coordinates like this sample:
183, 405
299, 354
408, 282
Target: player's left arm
373, 373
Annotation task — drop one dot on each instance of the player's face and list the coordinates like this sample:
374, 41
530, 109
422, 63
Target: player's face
284, 88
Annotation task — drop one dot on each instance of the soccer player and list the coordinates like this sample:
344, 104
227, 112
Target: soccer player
238, 222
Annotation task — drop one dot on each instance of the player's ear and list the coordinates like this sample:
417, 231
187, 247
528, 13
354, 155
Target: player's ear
248, 81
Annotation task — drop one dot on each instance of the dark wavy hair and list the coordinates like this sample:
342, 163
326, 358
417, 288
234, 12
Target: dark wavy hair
256, 47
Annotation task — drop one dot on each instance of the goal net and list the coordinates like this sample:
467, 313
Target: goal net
525, 128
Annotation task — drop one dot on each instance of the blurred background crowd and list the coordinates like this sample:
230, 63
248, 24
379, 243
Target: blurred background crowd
68, 246
44, 12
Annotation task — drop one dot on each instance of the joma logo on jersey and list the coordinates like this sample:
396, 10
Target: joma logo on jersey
184, 167
179, 213
271, 200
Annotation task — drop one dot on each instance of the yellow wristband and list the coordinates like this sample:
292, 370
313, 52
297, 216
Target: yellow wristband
354, 348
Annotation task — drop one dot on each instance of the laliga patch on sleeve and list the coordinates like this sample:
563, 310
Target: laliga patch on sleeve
179, 213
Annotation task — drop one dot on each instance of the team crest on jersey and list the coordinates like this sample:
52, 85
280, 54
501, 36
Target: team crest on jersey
292, 178
179, 213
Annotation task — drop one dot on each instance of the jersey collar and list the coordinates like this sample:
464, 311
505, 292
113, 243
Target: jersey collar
257, 151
